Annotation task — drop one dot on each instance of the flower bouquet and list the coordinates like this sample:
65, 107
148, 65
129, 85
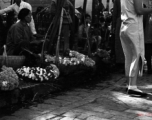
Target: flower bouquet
49, 73
8, 79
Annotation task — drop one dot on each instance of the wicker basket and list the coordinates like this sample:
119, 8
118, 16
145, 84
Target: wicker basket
11, 61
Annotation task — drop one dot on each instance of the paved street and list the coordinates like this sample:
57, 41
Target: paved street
106, 100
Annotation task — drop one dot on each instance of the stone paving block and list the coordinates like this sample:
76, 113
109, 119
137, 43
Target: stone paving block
87, 114
69, 118
56, 102
12, 118
72, 114
93, 107
81, 90
56, 118
62, 110
103, 115
95, 118
150, 108
143, 118
27, 114
81, 103
114, 106
120, 118
83, 94
122, 114
133, 102
44, 117
139, 112
78, 110
44, 107
110, 104
69, 98
109, 96
90, 99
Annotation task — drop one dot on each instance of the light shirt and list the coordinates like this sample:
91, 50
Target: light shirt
128, 13
14, 7
4, 3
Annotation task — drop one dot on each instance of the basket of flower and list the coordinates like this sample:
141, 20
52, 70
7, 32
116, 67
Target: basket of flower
8, 79
84, 59
75, 61
37, 74
11, 60
66, 64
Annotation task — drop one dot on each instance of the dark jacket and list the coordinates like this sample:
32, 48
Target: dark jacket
19, 35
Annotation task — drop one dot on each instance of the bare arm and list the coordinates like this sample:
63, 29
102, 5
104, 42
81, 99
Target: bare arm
138, 4
6, 10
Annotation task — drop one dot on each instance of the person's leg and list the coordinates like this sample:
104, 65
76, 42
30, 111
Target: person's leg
132, 63
133, 79
127, 49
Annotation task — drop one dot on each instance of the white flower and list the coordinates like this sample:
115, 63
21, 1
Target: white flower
41, 78
49, 74
4, 83
32, 76
46, 60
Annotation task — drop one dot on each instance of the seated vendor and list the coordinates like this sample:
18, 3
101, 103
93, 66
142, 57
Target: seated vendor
19, 36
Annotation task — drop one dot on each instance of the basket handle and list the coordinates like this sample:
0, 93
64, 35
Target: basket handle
4, 62
4, 53
59, 35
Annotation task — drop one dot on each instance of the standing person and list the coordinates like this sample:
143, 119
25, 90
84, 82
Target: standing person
67, 21
132, 39
148, 40
16, 7
116, 23
83, 30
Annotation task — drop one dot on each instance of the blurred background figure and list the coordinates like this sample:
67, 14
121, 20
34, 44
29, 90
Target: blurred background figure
148, 40
83, 30
116, 23
16, 7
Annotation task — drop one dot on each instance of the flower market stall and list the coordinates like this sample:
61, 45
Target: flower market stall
29, 84
55, 70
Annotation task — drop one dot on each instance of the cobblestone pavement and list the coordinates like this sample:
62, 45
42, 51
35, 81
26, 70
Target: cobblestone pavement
106, 100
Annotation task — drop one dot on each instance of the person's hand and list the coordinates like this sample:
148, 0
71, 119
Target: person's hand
38, 36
